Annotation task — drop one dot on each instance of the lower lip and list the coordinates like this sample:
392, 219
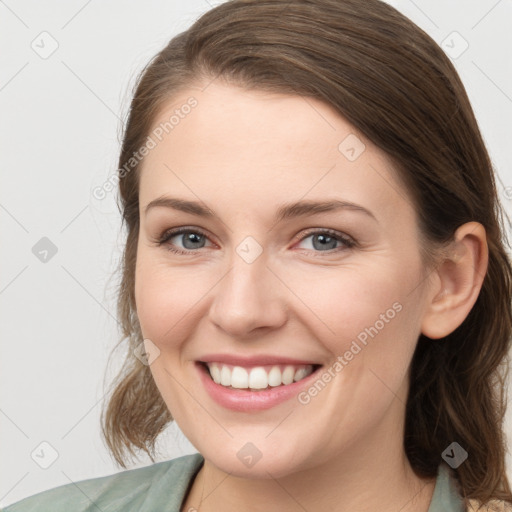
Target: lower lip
243, 400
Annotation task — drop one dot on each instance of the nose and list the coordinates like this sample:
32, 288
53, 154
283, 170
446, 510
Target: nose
248, 299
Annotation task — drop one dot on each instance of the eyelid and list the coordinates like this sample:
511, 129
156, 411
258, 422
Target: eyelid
332, 232
172, 232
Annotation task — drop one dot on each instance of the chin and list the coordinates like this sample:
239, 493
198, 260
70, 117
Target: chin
258, 460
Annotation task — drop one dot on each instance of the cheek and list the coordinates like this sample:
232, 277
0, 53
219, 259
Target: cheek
369, 318
167, 299
345, 303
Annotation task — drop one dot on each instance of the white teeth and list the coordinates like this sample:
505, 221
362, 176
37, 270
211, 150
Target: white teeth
274, 376
288, 374
215, 373
225, 376
239, 378
300, 374
258, 377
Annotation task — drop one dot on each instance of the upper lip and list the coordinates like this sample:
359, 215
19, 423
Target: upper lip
256, 360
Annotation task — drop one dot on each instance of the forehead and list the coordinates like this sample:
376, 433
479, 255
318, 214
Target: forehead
269, 148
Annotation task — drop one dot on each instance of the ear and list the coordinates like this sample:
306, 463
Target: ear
458, 280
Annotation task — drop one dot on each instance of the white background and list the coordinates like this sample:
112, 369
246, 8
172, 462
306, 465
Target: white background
60, 125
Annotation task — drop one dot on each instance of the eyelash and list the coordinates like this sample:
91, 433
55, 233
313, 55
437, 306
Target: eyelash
167, 235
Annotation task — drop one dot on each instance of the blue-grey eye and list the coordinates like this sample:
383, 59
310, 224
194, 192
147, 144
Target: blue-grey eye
190, 240
324, 241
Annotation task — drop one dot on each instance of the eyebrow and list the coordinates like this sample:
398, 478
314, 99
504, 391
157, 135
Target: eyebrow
286, 211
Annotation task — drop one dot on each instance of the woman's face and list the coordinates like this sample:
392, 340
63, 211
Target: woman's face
270, 287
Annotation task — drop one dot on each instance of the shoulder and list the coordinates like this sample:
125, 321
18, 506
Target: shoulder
448, 496
124, 491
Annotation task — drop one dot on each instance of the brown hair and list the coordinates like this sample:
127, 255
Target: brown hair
392, 82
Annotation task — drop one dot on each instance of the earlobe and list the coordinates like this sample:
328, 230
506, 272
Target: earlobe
460, 275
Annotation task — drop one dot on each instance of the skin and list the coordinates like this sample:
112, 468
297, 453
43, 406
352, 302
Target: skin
243, 154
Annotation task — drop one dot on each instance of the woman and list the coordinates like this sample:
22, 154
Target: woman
314, 269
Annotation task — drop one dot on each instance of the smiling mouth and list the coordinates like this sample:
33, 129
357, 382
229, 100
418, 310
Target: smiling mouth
257, 378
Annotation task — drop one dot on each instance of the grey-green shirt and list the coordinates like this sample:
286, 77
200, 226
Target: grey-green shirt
162, 487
